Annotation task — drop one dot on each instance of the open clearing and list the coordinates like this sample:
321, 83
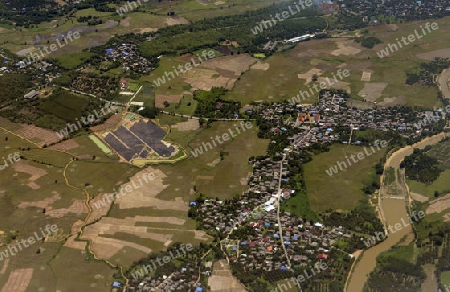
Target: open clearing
438, 205
372, 91
429, 56
18, 280
223, 280
342, 190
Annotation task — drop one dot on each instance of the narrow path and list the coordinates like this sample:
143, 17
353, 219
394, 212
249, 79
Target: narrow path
280, 229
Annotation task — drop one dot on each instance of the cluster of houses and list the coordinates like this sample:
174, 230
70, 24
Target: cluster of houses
404, 9
305, 243
261, 248
129, 55
317, 123
185, 278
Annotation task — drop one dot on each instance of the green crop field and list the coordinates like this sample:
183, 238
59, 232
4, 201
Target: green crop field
66, 106
344, 189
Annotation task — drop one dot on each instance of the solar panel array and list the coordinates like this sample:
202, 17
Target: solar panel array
133, 143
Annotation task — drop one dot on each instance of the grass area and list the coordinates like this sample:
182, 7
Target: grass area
259, 55
91, 12
212, 176
186, 106
66, 106
167, 64
101, 177
168, 120
441, 185
440, 152
100, 144
299, 205
389, 176
445, 278
26, 220
80, 267
344, 189
72, 61
146, 95
405, 253
281, 80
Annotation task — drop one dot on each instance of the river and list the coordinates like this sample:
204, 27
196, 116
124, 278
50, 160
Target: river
393, 211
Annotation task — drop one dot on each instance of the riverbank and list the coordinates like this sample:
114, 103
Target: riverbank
392, 210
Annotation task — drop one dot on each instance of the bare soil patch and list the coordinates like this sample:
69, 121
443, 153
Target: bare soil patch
442, 53
47, 203
125, 22
77, 207
392, 101
36, 173
71, 240
236, 63
346, 48
145, 196
18, 280
109, 124
229, 68
100, 211
366, 76
419, 197
308, 75
31, 132
443, 83
161, 98
190, 125
5, 266
174, 20
222, 279
186, 58
261, 66
438, 205
372, 91
148, 29
358, 66
336, 85
65, 145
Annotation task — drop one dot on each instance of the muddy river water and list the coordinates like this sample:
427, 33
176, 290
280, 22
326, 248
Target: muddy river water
394, 210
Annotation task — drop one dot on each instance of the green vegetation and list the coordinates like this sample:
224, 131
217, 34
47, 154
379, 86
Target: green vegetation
426, 72
369, 42
211, 105
342, 190
421, 167
65, 105
72, 61
14, 87
396, 269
